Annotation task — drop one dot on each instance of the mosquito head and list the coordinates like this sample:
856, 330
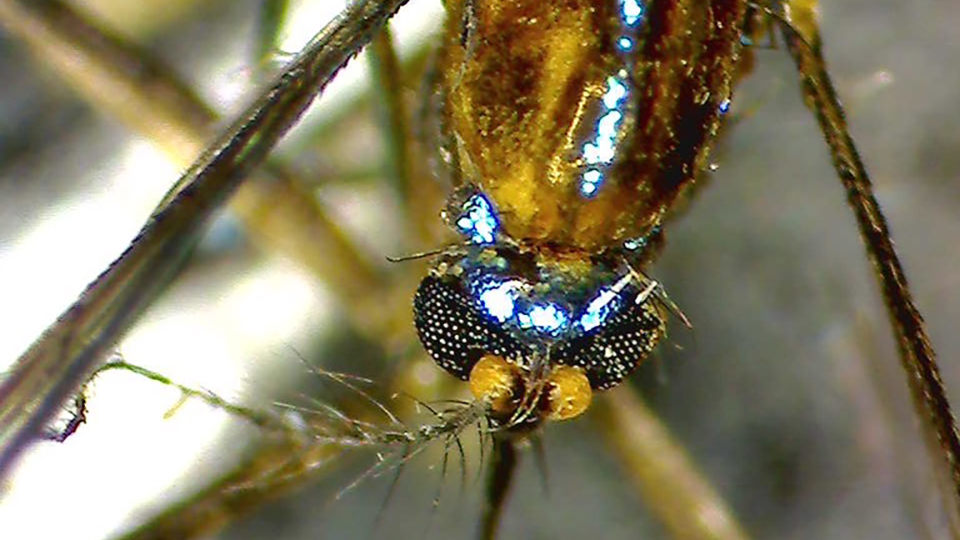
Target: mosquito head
534, 347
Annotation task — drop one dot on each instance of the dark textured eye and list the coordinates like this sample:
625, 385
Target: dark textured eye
452, 330
611, 351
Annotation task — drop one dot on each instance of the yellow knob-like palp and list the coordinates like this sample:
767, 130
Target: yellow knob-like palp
493, 380
570, 393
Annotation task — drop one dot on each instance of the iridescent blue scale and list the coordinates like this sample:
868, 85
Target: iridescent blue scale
511, 303
599, 153
529, 309
724, 107
478, 223
632, 11
599, 309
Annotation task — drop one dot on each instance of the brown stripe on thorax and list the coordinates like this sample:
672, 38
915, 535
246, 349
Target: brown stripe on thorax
689, 59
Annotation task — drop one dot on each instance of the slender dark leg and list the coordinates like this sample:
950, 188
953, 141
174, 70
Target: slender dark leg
55, 366
916, 353
502, 468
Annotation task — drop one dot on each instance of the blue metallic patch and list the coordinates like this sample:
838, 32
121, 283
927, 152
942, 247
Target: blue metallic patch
498, 298
506, 301
533, 313
603, 305
724, 107
599, 152
642, 242
632, 11
545, 318
478, 222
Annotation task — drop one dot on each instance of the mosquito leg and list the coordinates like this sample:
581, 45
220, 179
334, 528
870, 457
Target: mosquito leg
394, 114
269, 422
462, 456
436, 146
78, 416
277, 208
58, 363
801, 34
503, 465
404, 153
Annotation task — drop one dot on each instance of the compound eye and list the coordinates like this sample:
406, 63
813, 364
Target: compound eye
453, 331
611, 351
570, 393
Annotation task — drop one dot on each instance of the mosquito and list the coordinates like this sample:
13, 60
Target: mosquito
742, 281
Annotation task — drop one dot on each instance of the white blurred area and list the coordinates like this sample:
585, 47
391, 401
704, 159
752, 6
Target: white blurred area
217, 331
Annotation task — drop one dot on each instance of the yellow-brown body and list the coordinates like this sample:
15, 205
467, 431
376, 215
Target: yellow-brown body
521, 81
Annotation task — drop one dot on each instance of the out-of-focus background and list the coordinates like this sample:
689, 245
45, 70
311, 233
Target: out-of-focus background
787, 391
